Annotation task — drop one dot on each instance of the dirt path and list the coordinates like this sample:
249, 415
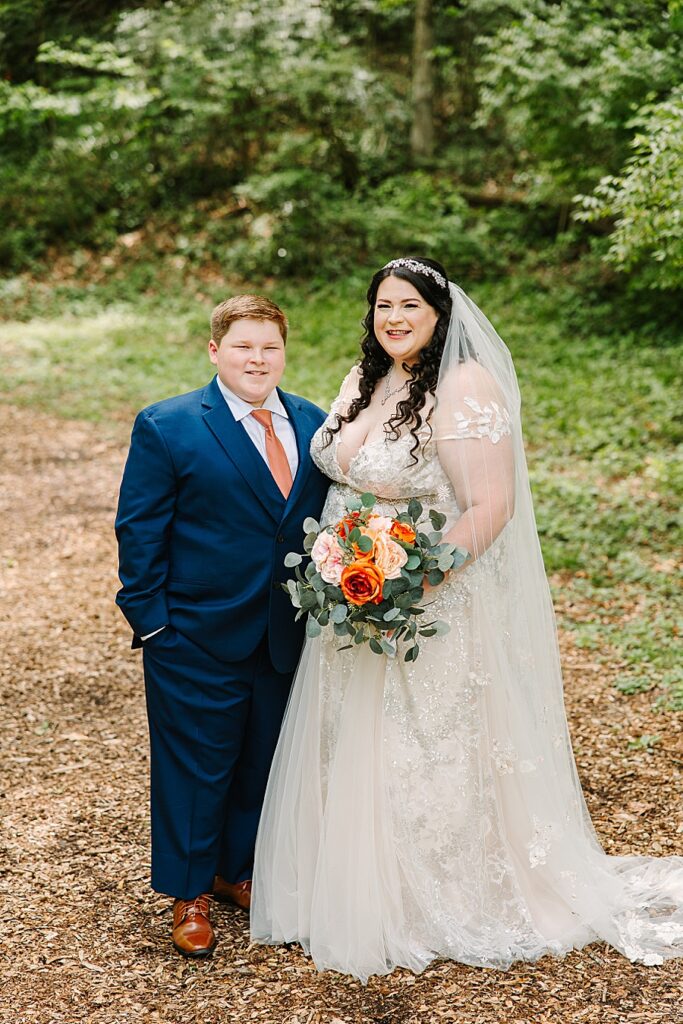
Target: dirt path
84, 939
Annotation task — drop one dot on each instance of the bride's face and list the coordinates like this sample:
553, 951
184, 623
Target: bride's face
404, 322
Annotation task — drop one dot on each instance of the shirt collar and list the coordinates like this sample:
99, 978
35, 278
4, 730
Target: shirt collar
241, 409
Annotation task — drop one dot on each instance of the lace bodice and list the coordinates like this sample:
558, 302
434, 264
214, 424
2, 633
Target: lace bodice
385, 467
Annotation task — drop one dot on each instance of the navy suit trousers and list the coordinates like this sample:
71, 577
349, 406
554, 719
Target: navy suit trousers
213, 730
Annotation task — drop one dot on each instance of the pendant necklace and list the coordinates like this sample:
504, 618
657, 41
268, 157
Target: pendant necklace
388, 391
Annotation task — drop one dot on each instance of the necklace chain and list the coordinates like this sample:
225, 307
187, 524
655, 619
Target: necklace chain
388, 390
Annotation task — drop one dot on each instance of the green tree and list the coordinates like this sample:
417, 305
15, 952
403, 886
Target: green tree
562, 81
646, 199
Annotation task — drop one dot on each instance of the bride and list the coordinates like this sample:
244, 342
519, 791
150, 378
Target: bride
432, 808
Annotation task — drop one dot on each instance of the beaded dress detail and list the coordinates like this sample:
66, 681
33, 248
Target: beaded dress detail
413, 811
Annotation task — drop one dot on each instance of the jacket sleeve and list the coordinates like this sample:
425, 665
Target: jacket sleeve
143, 524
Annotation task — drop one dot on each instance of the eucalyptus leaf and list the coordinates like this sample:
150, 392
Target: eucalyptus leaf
413, 562
375, 646
445, 562
392, 614
415, 509
388, 648
460, 556
312, 627
353, 505
311, 525
293, 558
368, 500
438, 519
338, 613
308, 600
435, 577
364, 543
318, 582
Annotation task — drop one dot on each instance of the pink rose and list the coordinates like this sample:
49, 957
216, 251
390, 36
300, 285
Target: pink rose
328, 557
390, 557
379, 524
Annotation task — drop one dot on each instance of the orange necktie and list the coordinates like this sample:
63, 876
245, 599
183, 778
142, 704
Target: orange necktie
277, 457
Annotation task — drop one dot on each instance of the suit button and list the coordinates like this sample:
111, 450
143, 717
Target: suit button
281, 538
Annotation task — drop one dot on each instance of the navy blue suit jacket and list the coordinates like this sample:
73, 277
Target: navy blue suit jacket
203, 528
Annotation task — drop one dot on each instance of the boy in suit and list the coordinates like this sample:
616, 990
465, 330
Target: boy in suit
215, 490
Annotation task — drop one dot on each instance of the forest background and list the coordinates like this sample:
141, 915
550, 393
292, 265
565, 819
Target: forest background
158, 156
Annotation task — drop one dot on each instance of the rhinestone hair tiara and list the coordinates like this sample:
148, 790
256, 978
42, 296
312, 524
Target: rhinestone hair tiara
418, 268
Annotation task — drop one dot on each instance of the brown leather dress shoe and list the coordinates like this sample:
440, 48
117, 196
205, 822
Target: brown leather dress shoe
193, 934
238, 893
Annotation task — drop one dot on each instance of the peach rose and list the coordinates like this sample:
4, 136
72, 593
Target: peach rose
379, 524
362, 582
390, 557
403, 532
328, 557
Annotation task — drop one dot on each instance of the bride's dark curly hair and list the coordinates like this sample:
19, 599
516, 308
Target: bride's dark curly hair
375, 362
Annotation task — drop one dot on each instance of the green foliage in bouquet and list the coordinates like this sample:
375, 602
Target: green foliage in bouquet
366, 576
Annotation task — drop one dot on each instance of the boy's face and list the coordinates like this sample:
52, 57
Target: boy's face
250, 358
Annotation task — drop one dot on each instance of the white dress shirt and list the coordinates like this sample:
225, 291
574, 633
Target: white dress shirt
241, 410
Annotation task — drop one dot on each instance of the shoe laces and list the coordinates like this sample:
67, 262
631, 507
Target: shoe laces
201, 905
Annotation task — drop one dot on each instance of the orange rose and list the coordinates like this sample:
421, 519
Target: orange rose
403, 532
362, 582
345, 525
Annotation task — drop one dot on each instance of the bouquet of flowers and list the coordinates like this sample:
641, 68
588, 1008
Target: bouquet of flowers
366, 574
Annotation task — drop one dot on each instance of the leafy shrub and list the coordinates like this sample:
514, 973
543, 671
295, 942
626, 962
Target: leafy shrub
646, 200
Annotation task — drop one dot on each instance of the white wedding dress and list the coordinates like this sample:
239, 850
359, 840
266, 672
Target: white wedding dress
432, 809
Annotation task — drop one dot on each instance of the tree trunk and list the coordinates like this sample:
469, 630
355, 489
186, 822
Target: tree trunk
422, 130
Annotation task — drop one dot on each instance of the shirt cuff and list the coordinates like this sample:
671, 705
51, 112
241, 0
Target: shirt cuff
148, 635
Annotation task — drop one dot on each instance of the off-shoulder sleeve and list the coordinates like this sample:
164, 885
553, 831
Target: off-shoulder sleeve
473, 431
347, 392
474, 420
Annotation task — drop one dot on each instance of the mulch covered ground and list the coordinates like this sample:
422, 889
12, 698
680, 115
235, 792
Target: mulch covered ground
83, 938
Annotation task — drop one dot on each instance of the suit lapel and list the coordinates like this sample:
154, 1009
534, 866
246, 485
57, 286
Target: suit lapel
236, 443
301, 425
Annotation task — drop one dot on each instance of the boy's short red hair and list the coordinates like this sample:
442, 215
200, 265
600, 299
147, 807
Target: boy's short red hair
243, 307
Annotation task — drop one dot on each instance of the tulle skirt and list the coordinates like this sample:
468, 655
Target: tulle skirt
417, 811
